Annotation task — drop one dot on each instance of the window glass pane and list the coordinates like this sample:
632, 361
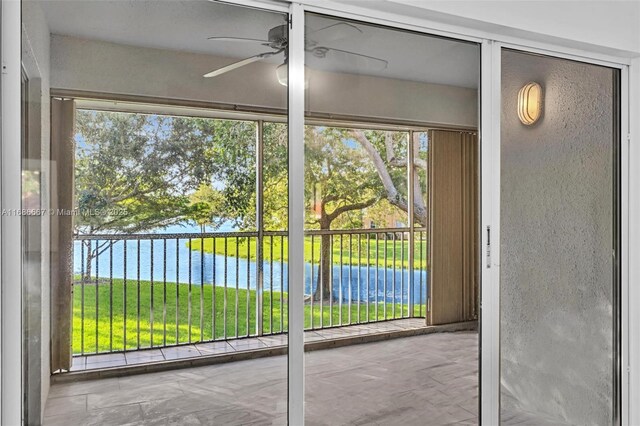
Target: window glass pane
374, 97
558, 280
169, 186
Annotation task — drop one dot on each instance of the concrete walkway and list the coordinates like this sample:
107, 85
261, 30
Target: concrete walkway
428, 379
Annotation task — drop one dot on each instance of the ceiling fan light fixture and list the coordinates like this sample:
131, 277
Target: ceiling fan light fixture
282, 72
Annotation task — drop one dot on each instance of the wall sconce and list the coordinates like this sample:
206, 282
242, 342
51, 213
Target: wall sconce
530, 103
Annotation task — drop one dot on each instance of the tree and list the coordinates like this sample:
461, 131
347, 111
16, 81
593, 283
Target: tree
134, 172
231, 162
396, 159
240, 210
157, 170
345, 174
276, 176
141, 172
206, 202
339, 179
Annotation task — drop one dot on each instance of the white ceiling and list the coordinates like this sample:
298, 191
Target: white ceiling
185, 25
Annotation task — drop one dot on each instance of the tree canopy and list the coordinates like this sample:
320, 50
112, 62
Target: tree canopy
155, 170
145, 172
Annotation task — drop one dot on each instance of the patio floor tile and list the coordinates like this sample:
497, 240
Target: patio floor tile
215, 348
179, 352
106, 358
145, 356
247, 344
379, 383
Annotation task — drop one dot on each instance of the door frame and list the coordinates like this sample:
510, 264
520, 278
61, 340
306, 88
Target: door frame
490, 332
11, 390
490, 107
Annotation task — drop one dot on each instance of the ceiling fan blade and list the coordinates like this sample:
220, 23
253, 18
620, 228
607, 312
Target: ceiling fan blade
357, 59
333, 32
239, 64
240, 39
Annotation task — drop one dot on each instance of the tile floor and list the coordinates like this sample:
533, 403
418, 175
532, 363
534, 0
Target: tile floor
94, 362
421, 380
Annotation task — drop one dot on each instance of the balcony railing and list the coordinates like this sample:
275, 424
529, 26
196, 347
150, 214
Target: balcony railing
155, 290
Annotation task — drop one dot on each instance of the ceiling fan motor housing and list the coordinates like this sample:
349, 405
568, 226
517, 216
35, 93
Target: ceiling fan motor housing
278, 36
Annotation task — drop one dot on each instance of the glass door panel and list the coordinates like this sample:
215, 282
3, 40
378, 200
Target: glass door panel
171, 147
375, 99
559, 241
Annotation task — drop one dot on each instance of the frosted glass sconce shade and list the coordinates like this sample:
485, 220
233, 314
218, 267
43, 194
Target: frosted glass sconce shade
530, 103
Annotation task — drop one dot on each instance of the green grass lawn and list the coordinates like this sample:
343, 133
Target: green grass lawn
351, 252
110, 318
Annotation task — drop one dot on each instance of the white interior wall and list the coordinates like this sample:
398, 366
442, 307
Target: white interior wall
376, 97
35, 59
96, 66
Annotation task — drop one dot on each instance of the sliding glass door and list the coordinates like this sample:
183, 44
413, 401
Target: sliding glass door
390, 184
209, 205
559, 241
170, 188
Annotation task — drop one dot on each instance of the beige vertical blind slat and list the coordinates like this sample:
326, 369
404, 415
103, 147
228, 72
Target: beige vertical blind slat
62, 183
453, 226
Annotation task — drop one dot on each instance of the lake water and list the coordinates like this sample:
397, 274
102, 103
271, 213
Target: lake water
356, 283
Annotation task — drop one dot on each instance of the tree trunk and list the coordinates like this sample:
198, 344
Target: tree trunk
86, 277
392, 194
323, 283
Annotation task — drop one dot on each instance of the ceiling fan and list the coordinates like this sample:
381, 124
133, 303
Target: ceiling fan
315, 44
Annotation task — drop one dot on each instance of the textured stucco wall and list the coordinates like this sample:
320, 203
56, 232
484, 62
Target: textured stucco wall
98, 66
556, 242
